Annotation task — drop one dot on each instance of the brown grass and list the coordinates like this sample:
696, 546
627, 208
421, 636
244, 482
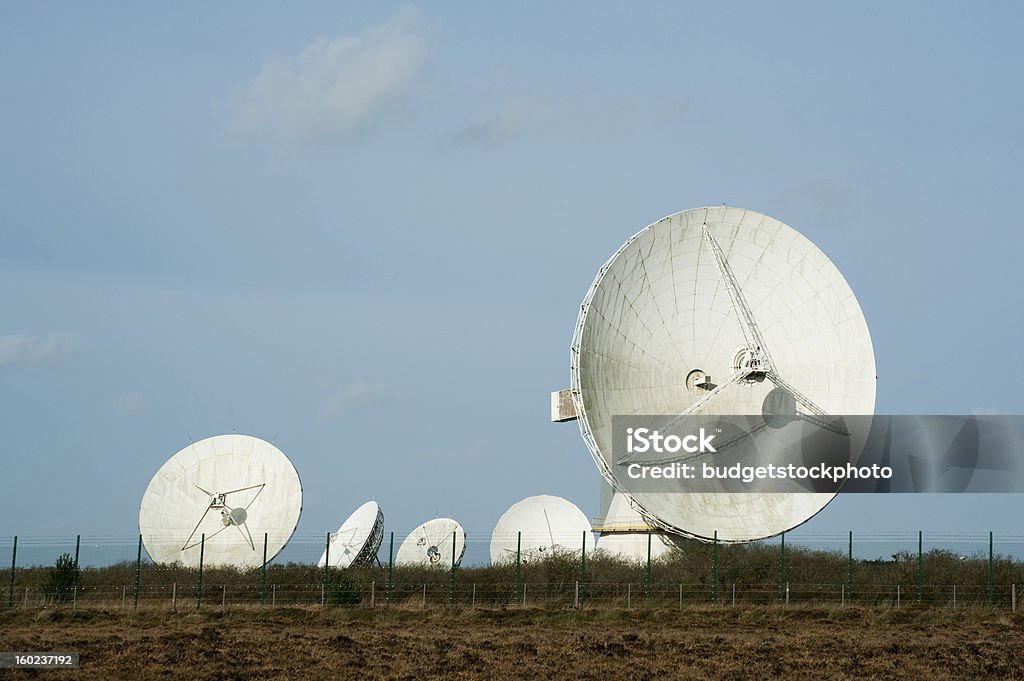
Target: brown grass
465, 643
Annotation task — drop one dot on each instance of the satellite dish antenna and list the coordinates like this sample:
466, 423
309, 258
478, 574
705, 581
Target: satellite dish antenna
539, 526
431, 544
710, 310
358, 539
230, 489
624, 533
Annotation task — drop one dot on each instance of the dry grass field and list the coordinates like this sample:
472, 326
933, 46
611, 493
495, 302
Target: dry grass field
464, 643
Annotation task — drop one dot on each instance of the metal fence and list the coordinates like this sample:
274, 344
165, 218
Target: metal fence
955, 571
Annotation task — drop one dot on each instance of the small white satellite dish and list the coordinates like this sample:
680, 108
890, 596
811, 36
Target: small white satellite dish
431, 544
232, 489
542, 526
358, 539
624, 533
719, 311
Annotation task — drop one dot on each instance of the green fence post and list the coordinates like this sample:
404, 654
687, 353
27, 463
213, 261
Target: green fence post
263, 572
199, 585
648, 565
138, 572
391, 565
583, 571
14, 561
921, 565
74, 586
451, 590
849, 569
782, 569
327, 562
519, 572
714, 569
991, 584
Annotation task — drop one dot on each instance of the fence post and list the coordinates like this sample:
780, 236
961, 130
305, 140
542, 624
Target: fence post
734, 593
424, 603
842, 595
223, 596
921, 565
14, 560
138, 571
628, 594
849, 568
74, 588
174, 597
123, 589
391, 566
1013, 599
714, 569
373, 594
897, 595
583, 571
263, 573
787, 594
782, 568
451, 591
648, 565
519, 573
680, 596
199, 584
473, 601
327, 563
991, 583
273, 595
954, 597
576, 602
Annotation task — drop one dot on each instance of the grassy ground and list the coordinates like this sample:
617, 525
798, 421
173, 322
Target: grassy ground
463, 643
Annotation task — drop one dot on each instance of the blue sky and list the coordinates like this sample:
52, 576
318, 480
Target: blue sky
364, 231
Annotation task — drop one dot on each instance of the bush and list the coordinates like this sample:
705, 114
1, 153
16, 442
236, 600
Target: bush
344, 591
63, 577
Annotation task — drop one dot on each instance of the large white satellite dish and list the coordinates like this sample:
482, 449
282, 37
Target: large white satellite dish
432, 544
358, 539
624, 533
710, 310
234, 489
540, 526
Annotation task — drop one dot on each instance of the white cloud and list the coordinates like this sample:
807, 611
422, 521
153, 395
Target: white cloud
25, 350
336, 86
358, 396
128, 404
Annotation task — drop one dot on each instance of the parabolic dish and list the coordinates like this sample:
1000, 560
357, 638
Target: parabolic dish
661, 317
358, 539
624, 533
539, 526
432, 544
234, 489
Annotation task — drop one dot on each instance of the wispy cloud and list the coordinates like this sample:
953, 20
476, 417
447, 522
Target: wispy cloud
358, 396
26, 350
511, 119
129, 404
336, 86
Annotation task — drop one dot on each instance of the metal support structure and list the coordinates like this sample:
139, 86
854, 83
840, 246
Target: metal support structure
263, 573
138, 572
14, 562
391, 566
583, 571
199, 584
782, 568
648, 595
74, 586
714, 569
327, 563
